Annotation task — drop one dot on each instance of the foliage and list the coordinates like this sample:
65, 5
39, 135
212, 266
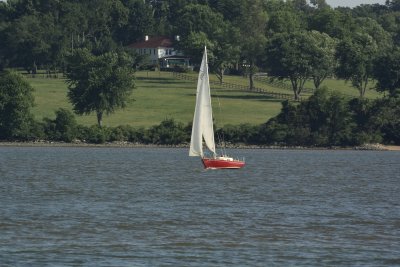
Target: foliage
385, 118
356, 56
236, 134
387, 72
16, 101
290, 56
140, 22
323, 54
63, 128
252, 27
301, 41
168, 132
99, 84
323, 120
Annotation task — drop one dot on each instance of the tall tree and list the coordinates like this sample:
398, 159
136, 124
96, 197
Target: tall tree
356, 58
103, 19
32, 41
320, 4
140, 22
281, 21
16, 100
291, 56
393, 4
387, 72
99, 84
252, 25
226, 51
199, 26
323, 57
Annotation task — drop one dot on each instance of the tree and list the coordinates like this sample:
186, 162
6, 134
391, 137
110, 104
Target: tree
252, 24
99, 84
389, 22
16, 100
291, 56
226, 51
284, 21
32, 41
355, 58
320, 4
63, 127
393, 4
387, 72
199, 26
140, 22
323, 58
322, 120
326, 20
385, 117
375, 30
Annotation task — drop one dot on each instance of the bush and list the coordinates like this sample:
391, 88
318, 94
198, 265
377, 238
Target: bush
384, 116
322, 120
62, 128
96, 134
120, 133
243, 133
168, 132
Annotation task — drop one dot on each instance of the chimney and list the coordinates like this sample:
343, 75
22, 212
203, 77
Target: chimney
146, 38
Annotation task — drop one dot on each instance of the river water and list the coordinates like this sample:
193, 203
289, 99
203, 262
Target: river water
71, 206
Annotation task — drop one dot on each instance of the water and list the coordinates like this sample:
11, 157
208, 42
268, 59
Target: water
158, 207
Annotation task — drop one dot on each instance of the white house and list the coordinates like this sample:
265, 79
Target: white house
160, 52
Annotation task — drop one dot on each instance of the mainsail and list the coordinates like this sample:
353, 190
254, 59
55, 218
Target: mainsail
202, 121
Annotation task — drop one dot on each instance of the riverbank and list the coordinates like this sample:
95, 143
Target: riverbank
376, 147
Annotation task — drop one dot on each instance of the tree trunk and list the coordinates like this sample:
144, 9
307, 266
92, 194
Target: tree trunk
220, 75
295, 88
251, 81
364, 87
300, 87
317, 82
100, 118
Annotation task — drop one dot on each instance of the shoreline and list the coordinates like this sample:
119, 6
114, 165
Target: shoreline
366, 147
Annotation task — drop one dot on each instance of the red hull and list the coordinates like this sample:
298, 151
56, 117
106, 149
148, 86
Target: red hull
221, 163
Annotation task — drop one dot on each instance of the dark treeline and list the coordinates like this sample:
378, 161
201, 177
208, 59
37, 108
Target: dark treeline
290, 40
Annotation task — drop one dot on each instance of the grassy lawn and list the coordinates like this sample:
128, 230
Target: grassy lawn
158, 95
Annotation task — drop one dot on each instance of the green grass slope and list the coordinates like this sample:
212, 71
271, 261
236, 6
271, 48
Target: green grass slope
158, 95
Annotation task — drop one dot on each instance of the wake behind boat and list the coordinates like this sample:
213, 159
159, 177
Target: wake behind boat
203, 127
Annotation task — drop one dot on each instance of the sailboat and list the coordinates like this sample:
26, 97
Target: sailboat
203, 126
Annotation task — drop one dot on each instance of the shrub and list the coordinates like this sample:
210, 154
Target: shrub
168, 132
62, 128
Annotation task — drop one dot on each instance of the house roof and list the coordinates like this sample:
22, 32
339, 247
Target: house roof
153, 42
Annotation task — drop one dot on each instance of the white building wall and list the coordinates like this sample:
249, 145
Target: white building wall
156, 53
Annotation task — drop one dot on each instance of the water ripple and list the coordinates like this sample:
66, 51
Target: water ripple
158, 207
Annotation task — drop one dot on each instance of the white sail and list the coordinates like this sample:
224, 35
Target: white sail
202, 121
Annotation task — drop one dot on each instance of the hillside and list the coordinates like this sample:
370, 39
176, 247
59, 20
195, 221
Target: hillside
159, 95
